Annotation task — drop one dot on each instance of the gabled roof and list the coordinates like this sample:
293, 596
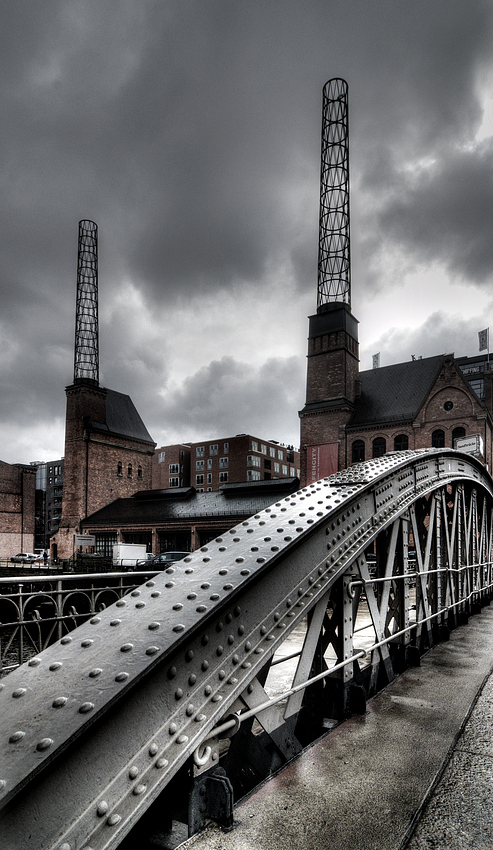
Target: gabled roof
395, 393
158, 505
122, 418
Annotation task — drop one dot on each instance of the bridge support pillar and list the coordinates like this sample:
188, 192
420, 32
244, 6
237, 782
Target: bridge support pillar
211, 798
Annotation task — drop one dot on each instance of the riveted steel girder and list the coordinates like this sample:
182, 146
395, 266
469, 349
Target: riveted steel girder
95, 726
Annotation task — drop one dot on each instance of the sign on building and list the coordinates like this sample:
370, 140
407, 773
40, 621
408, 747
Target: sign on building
84, 540
472, 445
321, 461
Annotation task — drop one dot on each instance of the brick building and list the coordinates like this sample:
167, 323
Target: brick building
351, 416
210, 464
108, 455
182, 519
17, 489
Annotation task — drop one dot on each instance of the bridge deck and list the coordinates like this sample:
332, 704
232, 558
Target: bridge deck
361, 786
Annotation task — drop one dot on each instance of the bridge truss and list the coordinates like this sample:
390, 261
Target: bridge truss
160, 707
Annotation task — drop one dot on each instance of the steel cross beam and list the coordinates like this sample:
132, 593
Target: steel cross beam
95, 726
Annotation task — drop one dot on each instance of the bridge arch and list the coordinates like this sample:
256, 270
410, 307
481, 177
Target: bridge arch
150, 687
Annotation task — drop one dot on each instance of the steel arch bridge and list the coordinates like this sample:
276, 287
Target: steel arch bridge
161, 702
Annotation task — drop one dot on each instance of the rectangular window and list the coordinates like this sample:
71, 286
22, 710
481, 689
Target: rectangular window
277, 466
292, 471
199, 464
272, 451
254, 446
223, 463
209, 477
199, 451
223, 477
284, 469
199, 479
213, 449
263, 448
226, 448
253, 460
174, 469
160, 457
174, 482
280, 454
253, 475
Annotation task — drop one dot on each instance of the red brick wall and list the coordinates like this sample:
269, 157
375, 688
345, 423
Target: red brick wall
17, 493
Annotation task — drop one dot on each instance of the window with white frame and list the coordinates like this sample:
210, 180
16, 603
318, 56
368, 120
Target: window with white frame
253, 460
226, 448
174, 469
254, 446
209, 463
199, 479
174, 482
272, 451
199, 464
280, 454
209, 477
284, 469
292, 471
277, 466
253, 475
160, 457
263, 448
223, 477
213, 449
223, 463
199, 451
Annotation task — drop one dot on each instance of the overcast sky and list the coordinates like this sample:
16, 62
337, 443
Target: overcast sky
189, 131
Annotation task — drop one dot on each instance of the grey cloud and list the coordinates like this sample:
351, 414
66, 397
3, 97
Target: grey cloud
227, 396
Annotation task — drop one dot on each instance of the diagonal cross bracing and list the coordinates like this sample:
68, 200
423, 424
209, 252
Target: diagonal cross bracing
112, 711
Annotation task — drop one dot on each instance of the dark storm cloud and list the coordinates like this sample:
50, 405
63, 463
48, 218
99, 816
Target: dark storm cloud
445, 212
189, 131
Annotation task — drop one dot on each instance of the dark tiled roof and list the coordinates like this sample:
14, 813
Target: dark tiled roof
394, 393
157, 506
122, 418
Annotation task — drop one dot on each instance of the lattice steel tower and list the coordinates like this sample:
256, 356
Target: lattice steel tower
86, 362
334, 270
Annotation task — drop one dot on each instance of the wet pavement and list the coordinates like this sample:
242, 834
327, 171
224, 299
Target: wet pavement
415, 772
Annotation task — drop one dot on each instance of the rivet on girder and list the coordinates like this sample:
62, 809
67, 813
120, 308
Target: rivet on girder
44, 744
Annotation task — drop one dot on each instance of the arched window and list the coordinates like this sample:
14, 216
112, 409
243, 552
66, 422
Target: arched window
358, 451
457, 434
379, 446
119, 468
129, 471
438, 439
401, 443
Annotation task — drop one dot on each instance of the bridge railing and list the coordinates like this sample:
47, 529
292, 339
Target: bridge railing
37, 610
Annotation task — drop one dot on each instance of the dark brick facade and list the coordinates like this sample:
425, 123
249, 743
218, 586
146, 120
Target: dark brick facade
351, 416
211, 463
108, 455
17, 496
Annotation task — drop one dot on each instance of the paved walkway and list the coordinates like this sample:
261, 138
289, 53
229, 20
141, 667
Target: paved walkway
415, 772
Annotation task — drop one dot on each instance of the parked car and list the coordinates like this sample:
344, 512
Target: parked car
25, 558
162, 560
